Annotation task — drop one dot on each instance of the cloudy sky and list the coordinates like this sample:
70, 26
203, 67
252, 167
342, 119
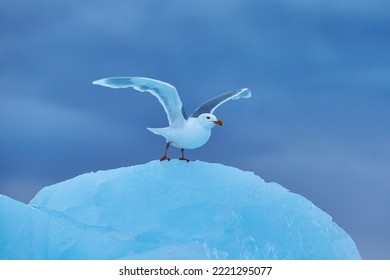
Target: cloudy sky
318, 122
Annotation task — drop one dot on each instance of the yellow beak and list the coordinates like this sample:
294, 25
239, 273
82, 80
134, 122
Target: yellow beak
218, 122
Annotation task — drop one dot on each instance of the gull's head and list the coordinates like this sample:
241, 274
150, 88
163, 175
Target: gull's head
208, 120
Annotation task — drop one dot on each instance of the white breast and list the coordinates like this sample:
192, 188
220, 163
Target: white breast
191, 136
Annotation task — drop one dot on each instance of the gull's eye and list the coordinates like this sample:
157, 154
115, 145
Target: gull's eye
208, 118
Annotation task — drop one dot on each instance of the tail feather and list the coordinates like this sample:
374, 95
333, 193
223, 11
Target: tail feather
158, 131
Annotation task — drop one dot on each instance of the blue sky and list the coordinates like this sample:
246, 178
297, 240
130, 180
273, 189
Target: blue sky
318, 122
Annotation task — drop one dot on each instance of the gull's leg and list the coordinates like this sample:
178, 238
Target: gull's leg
182, 156
165, 154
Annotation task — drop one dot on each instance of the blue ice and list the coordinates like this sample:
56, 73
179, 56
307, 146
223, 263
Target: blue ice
169, 210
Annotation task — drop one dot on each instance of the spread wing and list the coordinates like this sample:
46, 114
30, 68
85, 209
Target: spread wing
165, 93
212, 104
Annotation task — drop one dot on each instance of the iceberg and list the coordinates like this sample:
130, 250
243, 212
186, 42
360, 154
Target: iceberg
169, 210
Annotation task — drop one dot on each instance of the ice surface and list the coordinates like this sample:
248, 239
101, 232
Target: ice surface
169, 210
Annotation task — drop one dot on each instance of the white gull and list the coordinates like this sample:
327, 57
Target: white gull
183, 132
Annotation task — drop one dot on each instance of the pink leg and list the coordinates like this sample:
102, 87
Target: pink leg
165, 154
182, 156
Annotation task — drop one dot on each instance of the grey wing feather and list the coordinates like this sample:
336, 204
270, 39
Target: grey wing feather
165, 93
212, 104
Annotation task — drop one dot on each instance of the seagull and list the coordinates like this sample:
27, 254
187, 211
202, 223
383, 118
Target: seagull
183, 132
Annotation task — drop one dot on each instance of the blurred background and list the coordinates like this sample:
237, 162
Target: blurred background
318, 122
